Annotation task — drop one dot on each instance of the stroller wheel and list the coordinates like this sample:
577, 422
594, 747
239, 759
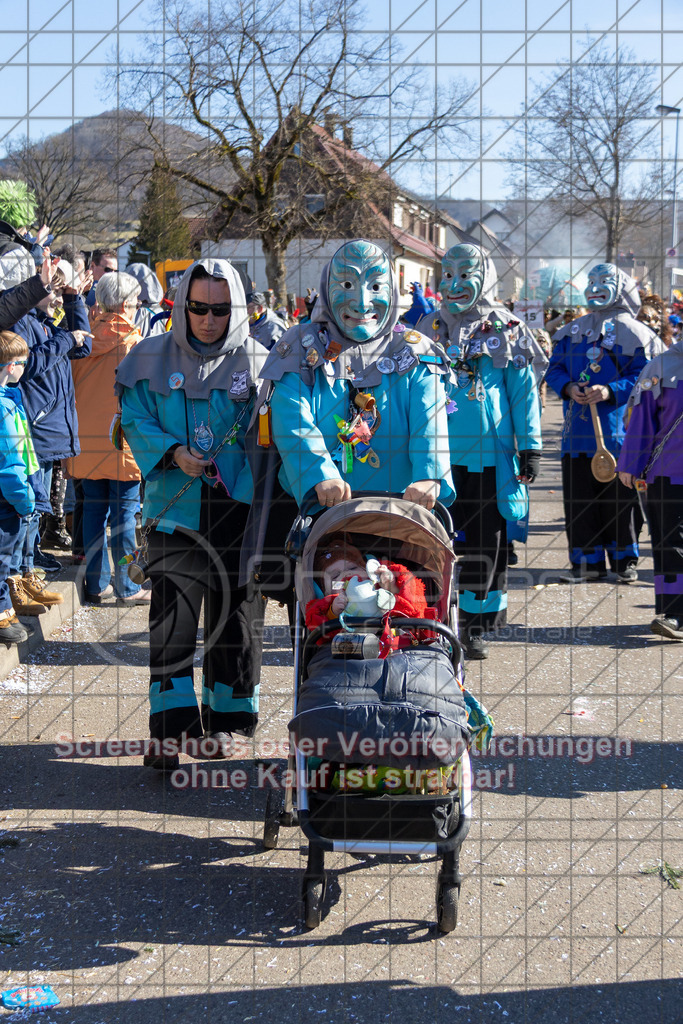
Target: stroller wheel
446, 907
313, 903
271, 825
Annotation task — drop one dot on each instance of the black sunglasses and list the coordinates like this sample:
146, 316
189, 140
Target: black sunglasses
204, 308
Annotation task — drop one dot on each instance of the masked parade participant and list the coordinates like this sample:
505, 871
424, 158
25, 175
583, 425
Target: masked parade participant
187, 398
264, 325
494, 413
358, 403
595, 363
651, 461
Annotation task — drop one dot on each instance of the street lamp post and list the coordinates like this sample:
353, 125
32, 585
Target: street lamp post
663, 111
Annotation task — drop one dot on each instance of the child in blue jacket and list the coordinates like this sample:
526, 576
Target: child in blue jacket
20, 490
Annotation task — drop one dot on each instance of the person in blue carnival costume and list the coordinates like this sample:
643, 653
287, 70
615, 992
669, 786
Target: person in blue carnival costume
596, 360
420, 305
494, 414
264, 325
357, 401
186, 397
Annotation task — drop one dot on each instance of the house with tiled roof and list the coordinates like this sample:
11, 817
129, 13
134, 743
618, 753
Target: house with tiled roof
408, 229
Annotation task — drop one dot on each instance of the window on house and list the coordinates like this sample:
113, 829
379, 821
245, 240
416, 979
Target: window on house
398, 215
402, 278
314, 203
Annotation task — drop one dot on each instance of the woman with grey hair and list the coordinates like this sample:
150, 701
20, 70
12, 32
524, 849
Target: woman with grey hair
116, 292
110, 478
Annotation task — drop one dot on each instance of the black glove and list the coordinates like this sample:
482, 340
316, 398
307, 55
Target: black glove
529, 464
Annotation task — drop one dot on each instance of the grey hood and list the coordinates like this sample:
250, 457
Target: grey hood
630, 333
627, 294
467, 333
151, 292
215, 367
664, 371
485, 304
303, 348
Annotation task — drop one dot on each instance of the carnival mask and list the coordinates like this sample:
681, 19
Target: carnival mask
602, 286
462, 277
360, 289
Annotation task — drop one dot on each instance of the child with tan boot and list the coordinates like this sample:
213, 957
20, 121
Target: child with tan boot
21, 495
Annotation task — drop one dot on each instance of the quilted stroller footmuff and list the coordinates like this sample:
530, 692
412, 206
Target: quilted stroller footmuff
405, 711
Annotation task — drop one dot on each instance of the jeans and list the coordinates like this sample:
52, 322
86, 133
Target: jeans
10, 524
69, 497
25, 545
118, 501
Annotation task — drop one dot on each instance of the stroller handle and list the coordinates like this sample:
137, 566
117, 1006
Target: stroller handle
363, 622
310, 502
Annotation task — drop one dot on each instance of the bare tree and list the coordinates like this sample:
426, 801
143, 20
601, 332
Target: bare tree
258, 80
586, 147
69, 185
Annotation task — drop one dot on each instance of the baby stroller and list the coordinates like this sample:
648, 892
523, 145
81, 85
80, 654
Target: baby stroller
343, 700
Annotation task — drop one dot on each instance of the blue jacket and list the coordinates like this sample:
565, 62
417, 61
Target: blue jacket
154, 422
420, 306
617, 370
411, 440
21, 488
512, 407
47, 385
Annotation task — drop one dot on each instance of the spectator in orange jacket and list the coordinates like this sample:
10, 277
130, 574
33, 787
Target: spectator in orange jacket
111, 478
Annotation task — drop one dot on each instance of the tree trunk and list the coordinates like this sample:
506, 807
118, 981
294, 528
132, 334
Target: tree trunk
610, 248
276, 267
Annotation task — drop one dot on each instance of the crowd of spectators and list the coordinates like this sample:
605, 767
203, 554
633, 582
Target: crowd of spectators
66, 322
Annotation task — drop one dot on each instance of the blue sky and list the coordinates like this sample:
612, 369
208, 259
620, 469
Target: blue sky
54, 55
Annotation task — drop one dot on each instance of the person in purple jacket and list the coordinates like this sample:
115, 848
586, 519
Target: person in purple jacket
653, 453
596, 361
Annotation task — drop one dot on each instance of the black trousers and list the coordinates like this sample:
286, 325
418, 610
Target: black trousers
602, 520
481, 545
665, 516
188, 569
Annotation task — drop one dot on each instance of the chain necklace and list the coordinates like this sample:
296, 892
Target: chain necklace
203, 436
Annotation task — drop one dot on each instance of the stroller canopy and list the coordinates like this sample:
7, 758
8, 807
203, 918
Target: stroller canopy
422, 537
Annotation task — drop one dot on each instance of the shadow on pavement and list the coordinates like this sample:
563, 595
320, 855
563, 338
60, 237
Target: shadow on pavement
396, 1002
621, 637
558, 766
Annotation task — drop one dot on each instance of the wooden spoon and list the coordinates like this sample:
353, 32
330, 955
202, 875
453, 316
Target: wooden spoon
603, 463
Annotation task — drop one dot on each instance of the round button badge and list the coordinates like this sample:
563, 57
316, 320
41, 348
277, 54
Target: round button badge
386, 365
176, 380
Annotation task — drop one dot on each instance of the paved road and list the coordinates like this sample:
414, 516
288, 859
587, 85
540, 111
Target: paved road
141, 902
